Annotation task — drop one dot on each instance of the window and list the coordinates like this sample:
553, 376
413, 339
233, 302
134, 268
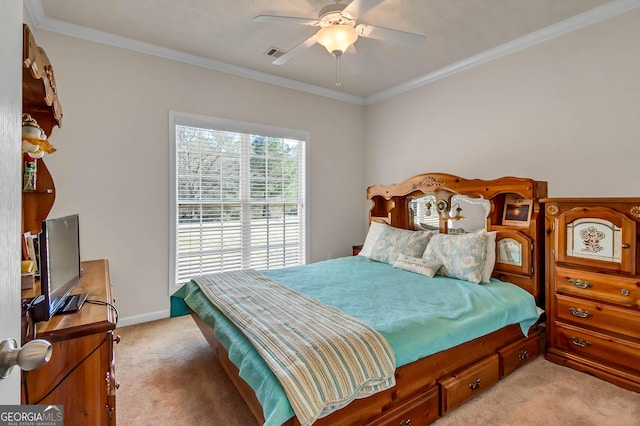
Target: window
238, 196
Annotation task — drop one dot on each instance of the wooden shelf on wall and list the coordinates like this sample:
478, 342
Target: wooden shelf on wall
39, 91
40, 101
37, 204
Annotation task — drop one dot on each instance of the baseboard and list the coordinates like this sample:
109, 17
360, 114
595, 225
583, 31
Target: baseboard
138, 319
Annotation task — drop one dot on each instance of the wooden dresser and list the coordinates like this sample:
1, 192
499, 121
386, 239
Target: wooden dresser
82, 360
593, 286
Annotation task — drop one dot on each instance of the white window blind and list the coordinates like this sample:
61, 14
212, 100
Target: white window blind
239, 200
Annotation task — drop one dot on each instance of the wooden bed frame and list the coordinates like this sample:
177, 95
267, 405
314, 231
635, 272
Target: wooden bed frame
430, 387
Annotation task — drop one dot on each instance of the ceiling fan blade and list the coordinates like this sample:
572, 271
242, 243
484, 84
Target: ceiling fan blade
358, 8
272, 19
394, 36
295, 50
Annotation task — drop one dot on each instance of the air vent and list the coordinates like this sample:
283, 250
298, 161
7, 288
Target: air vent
274, 52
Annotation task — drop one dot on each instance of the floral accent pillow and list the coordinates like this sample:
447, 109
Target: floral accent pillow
462, 255
384, 242
417, 265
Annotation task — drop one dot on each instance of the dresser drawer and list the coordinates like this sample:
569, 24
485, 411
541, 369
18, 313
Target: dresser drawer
519, 353
467, 383
421, 409
598, 346
598, 315
606, 288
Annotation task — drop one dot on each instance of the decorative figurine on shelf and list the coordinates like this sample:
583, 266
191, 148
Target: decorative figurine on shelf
30, 168
34, 139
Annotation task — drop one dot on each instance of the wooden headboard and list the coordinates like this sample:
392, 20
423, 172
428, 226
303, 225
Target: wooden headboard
391, 204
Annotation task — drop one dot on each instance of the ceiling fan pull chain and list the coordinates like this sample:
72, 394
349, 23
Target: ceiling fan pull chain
338, 70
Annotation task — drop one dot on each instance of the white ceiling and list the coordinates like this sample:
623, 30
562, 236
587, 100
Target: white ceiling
221, 34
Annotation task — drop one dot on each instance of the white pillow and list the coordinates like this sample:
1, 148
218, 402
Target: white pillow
375, 229
417, 265
490, 259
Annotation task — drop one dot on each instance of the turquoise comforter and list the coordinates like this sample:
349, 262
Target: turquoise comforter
418, 315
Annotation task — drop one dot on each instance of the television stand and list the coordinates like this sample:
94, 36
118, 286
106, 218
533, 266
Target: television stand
83, 344
72, 303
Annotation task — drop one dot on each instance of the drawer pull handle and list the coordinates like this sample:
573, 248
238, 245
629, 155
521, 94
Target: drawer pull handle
475, 385
524, 355
623, 245
117, 339
404, 422
624, 292
579, 283
579, 342
580, 313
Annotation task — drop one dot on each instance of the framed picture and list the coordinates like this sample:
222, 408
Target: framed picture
517, 210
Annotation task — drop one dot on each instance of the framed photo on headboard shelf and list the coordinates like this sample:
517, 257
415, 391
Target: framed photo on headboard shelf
517, 210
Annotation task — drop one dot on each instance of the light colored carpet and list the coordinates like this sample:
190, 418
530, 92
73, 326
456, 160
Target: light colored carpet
168, 375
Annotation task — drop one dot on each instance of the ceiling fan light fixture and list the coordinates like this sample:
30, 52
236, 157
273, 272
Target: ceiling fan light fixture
337, 38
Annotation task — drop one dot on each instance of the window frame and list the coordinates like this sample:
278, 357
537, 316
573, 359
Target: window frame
177, 118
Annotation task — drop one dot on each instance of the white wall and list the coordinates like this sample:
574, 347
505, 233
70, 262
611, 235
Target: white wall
112, 164
566, 111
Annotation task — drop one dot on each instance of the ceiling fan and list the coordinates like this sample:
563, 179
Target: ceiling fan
338, 30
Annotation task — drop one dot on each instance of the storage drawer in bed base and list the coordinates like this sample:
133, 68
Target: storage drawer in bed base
463, 385
519, 353
421, 409
467, 383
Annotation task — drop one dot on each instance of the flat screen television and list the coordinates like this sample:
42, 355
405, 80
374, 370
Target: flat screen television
60, 269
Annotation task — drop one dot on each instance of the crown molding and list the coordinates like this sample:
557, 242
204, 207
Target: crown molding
609, 10
41, 21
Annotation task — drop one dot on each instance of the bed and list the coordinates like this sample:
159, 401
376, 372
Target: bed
451, 337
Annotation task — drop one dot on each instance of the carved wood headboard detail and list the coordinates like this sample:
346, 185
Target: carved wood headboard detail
391, 204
